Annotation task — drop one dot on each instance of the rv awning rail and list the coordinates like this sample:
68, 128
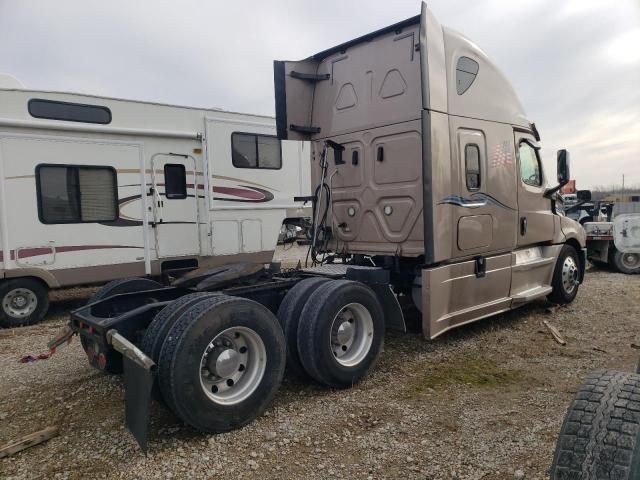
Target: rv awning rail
134, 132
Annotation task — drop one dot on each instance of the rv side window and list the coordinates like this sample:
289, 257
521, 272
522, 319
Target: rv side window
255, 151
530, 169
175, 181
472, 166
76, 194
70, 112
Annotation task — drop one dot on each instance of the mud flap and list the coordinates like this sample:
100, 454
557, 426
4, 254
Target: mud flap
139, 375
138, 382
393, 316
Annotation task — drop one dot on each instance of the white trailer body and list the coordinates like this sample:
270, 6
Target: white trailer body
94, 189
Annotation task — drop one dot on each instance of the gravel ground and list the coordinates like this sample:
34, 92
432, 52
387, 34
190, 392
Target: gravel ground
481, 402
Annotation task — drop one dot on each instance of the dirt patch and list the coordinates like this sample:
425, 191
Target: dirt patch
479, 402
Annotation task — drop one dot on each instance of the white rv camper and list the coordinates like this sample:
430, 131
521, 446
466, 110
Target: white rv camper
94, 189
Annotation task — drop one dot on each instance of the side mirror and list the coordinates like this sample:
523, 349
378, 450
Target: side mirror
563, 173
584, 195
563, 167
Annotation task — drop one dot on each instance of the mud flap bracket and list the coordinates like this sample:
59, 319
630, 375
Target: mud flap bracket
139, 375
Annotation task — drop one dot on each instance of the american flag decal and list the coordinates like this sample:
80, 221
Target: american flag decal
502, 156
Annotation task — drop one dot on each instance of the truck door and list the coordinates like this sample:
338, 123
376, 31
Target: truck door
175, 206
535, 218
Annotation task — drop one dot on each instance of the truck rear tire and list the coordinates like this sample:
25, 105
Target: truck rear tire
341, 333
25, 301
113, 359
628, 263
161, 324
289, 318
600, 436
124, 285
222, 363
566, 276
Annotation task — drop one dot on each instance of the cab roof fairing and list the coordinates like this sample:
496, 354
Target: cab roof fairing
491, 96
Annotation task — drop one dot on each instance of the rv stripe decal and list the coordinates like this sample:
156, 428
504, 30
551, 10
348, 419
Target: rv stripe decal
37, 251
222, 177
246, 194
241, 193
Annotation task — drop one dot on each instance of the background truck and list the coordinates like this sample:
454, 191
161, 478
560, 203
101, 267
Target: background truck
615, 242
613, 234
94, 189
428, 192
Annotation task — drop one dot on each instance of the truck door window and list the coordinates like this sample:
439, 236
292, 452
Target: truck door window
530, 169
175, 181
76, 194
472, 166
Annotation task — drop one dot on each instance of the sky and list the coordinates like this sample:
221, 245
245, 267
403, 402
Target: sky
575, 64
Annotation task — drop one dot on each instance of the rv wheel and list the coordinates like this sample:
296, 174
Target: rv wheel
340, 333
289, 318
566, 276
25, 301
600, 436
113, 359
628, 263
222, 363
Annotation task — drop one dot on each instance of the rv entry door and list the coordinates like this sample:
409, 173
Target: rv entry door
535, 218
175, 205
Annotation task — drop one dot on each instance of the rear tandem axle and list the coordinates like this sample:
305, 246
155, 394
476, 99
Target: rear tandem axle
213, 345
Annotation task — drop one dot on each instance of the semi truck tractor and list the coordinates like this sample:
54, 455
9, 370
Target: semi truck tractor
428, 193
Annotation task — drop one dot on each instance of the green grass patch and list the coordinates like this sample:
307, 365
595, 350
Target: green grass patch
475, 372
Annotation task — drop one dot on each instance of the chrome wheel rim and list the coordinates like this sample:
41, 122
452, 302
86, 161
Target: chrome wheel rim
569, 275
631, 260
233, 365
20, 303
351, 334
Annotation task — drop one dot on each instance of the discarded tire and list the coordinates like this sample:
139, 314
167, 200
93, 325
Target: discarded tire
113, 359
24, 301
600, 435
222, 363
289, 318
566, 276
340, 333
